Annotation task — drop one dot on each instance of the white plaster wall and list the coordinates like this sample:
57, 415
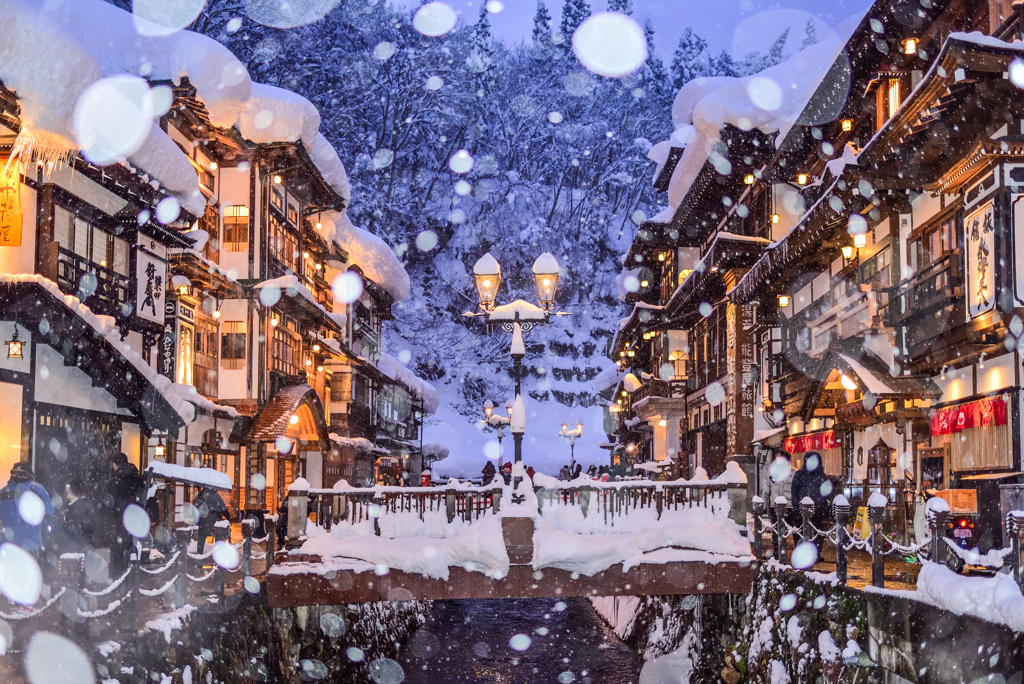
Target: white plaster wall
69, 386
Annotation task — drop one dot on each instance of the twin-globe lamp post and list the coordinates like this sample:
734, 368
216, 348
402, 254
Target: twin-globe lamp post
498, 421
572, 436
516, 318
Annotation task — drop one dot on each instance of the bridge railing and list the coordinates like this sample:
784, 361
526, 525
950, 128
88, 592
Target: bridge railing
607, 501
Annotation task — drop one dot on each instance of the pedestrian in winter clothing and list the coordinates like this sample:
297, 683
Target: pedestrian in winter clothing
810, 482
78, 533
506, 472
564, 474
531, 472
488, 472
16, 529
592, 471
211, 510
125, 486
579, 470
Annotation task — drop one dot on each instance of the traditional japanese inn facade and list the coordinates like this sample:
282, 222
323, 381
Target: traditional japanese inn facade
179, 305
850, 285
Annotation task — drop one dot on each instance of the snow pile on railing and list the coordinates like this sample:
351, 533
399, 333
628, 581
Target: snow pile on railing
199, 476
995, 599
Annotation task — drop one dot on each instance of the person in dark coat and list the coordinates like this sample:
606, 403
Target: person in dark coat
126, 486
211, 510
579, 469
506, 472
810, 482
489, 472
79, 528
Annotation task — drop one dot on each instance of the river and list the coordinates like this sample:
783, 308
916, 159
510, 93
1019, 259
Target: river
518, 641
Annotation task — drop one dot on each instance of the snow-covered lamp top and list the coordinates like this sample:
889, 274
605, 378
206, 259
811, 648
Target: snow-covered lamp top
545, 273
518, 416
487, 273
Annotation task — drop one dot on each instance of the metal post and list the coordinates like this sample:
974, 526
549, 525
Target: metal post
517, 369
220, 534
875, 515
937, 521
842, 512
806, 512
298, 514
758, 508
780, 529
517, 439
182, 537
132, 591
247, 547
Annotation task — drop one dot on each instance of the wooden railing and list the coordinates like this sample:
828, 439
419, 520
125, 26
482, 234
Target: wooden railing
611, 500
663, 389
103, 289
934, 286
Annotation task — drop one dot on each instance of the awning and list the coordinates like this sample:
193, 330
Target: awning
761, 435
990, 411
274, 419
93, 344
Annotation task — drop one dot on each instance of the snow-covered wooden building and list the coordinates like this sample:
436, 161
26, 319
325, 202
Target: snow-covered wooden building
229, 314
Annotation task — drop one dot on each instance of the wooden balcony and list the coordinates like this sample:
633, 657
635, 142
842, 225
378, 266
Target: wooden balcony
102, 289
660, 389
938, 285
848, 317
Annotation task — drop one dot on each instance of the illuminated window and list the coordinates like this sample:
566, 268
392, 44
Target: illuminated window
893, 100
236, 229
232, 345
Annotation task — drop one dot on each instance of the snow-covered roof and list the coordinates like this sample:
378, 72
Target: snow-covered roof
526, 311
291, 285
205, 477
192, 395
421, 389
54, 51
372, 255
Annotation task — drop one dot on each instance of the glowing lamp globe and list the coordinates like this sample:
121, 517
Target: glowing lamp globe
488, 409
545, 273
487, 274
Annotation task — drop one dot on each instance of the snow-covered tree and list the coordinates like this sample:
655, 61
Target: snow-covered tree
542, 26
690, 60
724, 65
810, 34
621, 6
574, 13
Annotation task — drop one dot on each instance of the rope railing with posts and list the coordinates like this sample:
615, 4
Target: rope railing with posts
142, 590
877, 544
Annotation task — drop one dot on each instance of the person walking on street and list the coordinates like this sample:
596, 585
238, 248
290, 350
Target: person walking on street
126, 486
506, 472
488, 472
78, 533
565, 474
26, 533
211, 510
810, 482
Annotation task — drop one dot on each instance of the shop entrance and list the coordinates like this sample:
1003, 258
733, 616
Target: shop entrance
74, 443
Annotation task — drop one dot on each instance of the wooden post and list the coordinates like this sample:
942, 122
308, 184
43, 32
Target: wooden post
298, 514
132, 589
1015, 528
247, 526
875, 515
780, 529
182, 537
841, 508
220, 534
758, 508
449, 504
937, 520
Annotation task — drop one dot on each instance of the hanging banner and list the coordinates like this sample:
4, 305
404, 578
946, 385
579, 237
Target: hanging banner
149, 296
979, 245
980, 413
813, 442
10, 204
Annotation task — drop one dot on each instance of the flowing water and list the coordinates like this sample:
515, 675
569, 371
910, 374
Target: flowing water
519, 641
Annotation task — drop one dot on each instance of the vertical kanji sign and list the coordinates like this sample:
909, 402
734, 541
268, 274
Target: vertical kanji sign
10, 204
979, 244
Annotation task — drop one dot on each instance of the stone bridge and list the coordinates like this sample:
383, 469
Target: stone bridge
583, 538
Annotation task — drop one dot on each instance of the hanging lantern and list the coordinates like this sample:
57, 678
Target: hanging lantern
847, 125
160, 451
545, 273
847, 251
860, 240
783, 301
15, 347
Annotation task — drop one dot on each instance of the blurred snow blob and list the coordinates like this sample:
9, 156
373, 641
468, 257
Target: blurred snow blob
258, 481
461, 162
251, 584
386, 671
1017, 72
405, 356
313, 669
520, 642
426, 241
332, 625
764, 93
560, 606
354, 654
347, 287
610, 44
805, 555
714, 394
463, 188
384, 50
434, 19
162, 18
434, 83
494, 6
136, 521
787, 602
31, 508
283, 445
778, 471
382, 159
555, 117
20, 578
290, 14
234, 24
631, 283
167, 210
112, 118
225, 555
52, 659
704, 309
492, 450
270, 295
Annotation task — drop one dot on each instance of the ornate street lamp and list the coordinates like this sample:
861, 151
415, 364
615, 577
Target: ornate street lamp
497, 421
545, 274
572, 436
487, 273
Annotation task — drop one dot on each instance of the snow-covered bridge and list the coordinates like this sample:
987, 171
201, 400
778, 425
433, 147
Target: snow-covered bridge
580, 538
